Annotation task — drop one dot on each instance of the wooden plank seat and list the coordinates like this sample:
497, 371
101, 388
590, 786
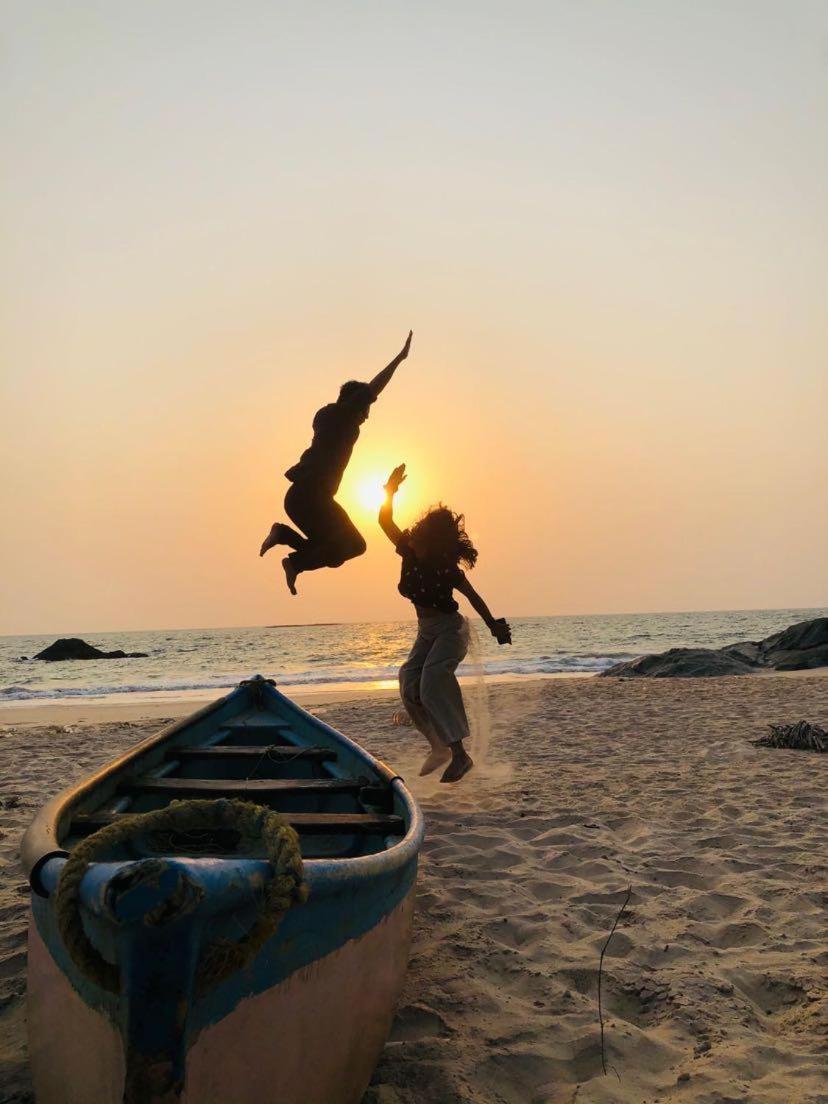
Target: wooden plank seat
276, 752
311, 824
247, 787
264, 729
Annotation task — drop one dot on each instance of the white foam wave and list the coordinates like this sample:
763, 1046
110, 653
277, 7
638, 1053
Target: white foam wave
551, 665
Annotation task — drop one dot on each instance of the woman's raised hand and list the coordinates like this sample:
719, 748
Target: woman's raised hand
396, 477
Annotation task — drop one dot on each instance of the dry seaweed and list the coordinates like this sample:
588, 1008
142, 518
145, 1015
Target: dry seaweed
801, 736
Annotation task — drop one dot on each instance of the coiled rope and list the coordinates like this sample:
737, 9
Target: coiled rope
222, 957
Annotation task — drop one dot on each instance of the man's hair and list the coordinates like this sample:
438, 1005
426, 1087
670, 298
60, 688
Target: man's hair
355, 392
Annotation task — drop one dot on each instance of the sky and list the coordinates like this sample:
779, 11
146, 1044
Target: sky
606, 222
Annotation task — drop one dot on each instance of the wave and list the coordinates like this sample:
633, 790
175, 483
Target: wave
585, 663
57, 693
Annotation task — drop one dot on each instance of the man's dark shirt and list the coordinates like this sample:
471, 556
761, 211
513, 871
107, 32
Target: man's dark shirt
335, 432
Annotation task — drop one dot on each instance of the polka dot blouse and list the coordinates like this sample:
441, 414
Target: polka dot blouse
427, 583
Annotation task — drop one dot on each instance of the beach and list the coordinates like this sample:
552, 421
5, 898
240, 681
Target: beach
713, 983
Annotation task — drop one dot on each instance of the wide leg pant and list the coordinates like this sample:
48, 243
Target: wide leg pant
330, 537
428, 685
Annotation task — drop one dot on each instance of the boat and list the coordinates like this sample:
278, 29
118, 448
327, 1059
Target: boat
222, 915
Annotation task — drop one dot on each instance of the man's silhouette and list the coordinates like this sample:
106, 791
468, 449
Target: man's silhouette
330, 537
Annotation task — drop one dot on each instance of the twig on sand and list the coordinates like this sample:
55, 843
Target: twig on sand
600, 969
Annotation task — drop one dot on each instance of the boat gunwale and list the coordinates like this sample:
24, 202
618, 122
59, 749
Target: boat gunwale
40, 842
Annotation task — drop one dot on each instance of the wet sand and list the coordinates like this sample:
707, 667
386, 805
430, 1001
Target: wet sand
713, 984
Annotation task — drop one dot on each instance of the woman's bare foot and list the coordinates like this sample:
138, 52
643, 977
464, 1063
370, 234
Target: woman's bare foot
435, 758
460, 764
274, 537
290, 574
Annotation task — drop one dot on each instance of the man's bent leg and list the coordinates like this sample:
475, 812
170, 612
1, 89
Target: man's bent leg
332, 538
282, 534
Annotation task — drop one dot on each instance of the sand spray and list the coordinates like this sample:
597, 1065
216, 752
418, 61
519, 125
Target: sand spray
487, 765
476, 697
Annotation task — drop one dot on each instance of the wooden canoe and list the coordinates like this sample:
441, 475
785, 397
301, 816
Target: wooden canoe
304, 1020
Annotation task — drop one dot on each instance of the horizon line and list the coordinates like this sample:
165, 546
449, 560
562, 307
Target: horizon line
399, 620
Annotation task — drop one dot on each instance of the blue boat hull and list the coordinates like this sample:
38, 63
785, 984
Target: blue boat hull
303, 1022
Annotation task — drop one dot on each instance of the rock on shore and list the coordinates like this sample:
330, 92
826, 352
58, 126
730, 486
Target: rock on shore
74, 648
800, 647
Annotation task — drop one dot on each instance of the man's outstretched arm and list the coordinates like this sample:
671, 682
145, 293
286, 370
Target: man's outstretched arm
381, 379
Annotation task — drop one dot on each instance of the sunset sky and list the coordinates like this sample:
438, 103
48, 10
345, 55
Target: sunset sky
606, 222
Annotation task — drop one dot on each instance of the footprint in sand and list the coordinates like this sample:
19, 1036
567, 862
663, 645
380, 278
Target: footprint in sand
768, 993
514, 933
417, 1021
743, 934
544, 889
714, 906
684, 878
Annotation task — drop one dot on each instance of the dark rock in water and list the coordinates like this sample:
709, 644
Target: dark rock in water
746, 650
681, 663
801, 660
73, 648
798, 637
797, 648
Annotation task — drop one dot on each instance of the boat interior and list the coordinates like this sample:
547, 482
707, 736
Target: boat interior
341, 805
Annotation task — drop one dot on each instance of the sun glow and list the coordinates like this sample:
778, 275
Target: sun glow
369, 492
362, 490
362, 493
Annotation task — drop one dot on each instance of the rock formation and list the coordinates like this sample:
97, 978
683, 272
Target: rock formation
73, 648
797, 648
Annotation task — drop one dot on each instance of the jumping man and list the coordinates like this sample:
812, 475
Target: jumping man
330, 537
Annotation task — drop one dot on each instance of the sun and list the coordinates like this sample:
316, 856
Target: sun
369, 492
363, 487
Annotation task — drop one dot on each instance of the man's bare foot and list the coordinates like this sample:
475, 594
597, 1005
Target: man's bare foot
290, 574
459, 765
435, 758
274, 537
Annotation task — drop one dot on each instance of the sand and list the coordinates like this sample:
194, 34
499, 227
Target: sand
713, 984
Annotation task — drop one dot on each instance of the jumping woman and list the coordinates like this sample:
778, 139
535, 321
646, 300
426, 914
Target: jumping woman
330, 537
432, 551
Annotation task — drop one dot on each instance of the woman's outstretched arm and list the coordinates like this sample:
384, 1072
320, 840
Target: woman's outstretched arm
386, 514
382, 378
498, 626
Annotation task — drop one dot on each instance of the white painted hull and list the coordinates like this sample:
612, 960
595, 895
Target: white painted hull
313, 1039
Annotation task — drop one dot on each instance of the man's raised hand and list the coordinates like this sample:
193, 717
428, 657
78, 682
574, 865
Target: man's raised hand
380, 381
406, 348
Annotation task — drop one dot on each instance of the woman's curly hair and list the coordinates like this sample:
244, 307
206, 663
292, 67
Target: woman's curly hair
443, 534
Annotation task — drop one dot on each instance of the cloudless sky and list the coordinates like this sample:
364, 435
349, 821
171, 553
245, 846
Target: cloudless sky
607, 223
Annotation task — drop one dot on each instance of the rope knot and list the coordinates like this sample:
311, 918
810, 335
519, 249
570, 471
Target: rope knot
255, 824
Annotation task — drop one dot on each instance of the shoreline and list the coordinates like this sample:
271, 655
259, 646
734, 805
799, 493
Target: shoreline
173, 704
149, 705
714, 984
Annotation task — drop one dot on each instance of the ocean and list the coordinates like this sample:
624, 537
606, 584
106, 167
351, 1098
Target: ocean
199, 661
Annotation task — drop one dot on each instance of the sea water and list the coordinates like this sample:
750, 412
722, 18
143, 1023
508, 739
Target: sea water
365, 655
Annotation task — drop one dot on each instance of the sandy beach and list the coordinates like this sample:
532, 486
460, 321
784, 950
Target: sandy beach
714, 981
